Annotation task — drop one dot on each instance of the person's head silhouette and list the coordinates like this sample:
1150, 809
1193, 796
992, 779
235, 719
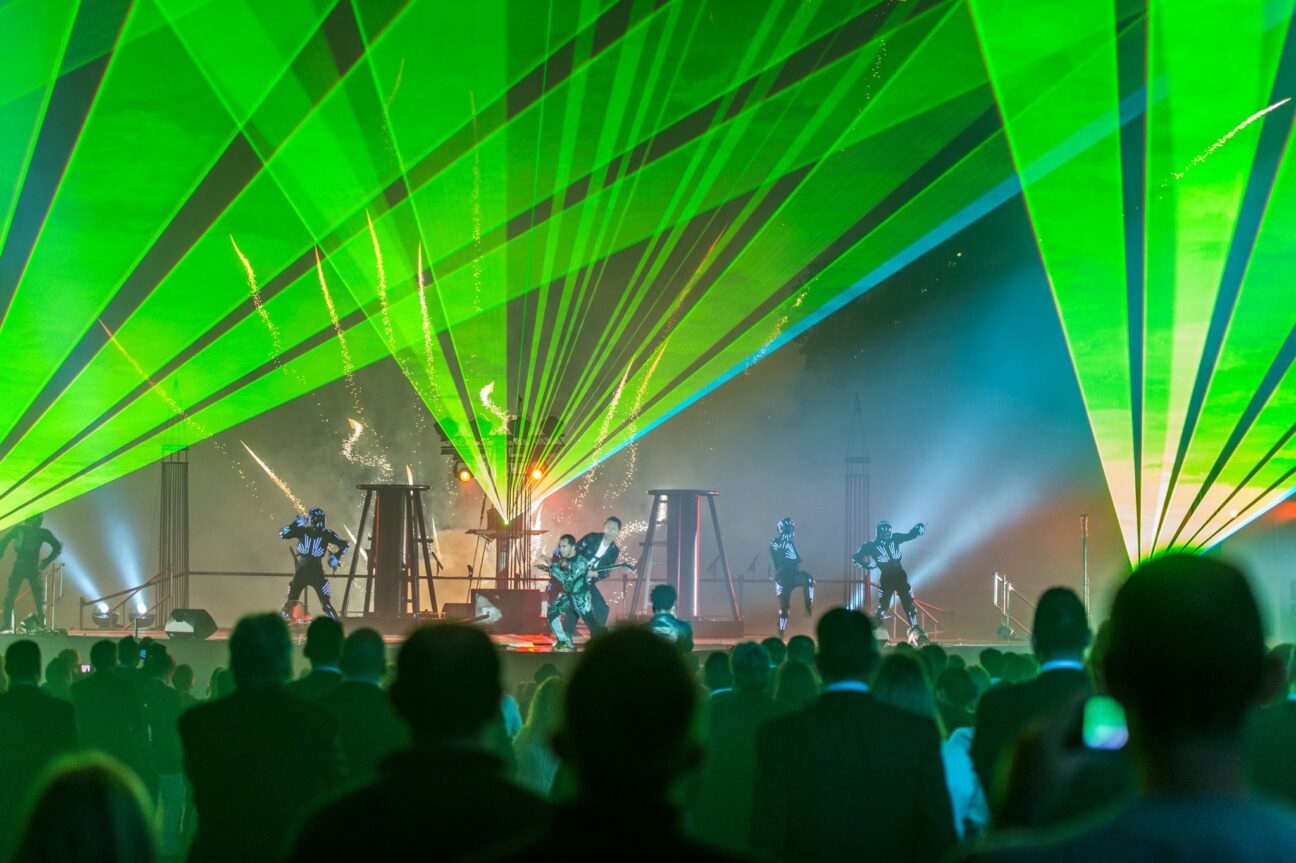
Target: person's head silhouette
801, 648
716, 674
663, 598
103, 655
23, 662
323, 642
1165, 641
128, 652
1061, 630
447, 683
776, 649
750, 665
364, 655
848, 649
626, 718
88, 807
260, 652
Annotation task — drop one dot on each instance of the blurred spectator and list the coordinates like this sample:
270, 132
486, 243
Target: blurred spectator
902, 682
182, 679
981, 680
795, 686
537, 763
89, 809
1186, 737
1270, 754
723, 810
1060, 636
324, 651
58, 679
991, 659
626, 738
1016, 668
935, 658
257, 758
955, 661
850, 778
801, 648
162, 708
447, 689
664, 623
370, 730
776, 649
109, 713
955, 695
35, 728
716, 676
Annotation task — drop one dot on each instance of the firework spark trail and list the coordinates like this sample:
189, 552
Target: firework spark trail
436, 539
283, 486
382, 284
256, 298
348, 367
409, 475
144, 376
495, 410
356, 543
379, 462
1202, 157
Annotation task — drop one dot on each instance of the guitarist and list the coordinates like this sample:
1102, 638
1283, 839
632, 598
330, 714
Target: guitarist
601, 552
571, 571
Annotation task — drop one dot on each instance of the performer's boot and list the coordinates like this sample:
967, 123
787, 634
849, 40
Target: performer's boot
562, 641
782, 623
329, 610
809, 599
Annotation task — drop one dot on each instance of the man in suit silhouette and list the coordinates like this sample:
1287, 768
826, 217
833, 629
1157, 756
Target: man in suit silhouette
723, 811
850, 778
446, 795
1059, 637
371, 730
109, 713
35, 728
627, 717
323, 650
1187, 687
1270, 755
259, 757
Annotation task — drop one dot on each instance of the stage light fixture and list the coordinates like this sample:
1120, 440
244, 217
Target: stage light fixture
141, 615
103, 616
462, 473
537, 474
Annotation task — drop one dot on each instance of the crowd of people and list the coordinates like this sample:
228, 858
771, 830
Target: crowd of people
1164, 735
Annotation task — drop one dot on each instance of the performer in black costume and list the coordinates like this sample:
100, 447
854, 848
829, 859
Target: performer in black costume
884, 552
601, 552
571, 572
28, 538
788, 573
313, 540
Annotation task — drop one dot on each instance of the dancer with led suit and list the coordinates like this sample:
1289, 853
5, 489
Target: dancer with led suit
571, 572
788, 573
884, 553
313, 541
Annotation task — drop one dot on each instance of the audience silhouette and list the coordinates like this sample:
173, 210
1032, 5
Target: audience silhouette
627, 739
35, 728
537, 763
1059, 636
257, 758
370, 729
89, 808
109, 713
324, 651
1186, 738
446, 795
848, 777
1270, 755
723, 810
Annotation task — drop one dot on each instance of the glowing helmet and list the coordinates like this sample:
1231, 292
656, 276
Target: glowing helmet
316, 517
786, 524
884, 530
